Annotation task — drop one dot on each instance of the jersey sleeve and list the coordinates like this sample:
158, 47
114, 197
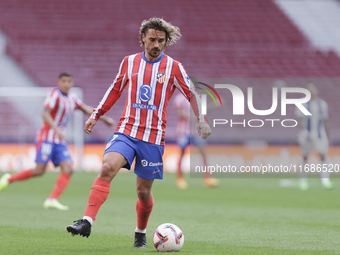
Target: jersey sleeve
78, 103
324, 110
114, 92
187, 88
51, 99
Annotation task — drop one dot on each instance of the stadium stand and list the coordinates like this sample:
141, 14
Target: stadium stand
12, 122
247, 39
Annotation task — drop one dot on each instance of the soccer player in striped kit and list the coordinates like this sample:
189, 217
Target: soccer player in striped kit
314, 134
50, 140
150, 79
186, 137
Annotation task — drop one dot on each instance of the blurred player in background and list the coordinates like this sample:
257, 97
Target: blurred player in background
151, 78
314, 134
50, 140
183, 141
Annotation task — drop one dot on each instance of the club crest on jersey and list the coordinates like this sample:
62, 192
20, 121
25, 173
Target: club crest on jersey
161, 77
145, 93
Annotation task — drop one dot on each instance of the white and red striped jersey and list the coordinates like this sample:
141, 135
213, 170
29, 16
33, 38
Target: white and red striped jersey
183, 124
315, 123
62, 107
150, 86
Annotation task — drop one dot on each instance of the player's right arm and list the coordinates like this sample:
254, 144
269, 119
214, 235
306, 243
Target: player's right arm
187, 88
50, 105
301, 124
47, 117
327, 131
112, 94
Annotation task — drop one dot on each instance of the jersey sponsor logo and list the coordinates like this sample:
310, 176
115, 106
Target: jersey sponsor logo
144, 162
144, 106
156, 164
145, 93
161, 77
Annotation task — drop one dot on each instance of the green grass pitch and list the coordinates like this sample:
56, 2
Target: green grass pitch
242, 216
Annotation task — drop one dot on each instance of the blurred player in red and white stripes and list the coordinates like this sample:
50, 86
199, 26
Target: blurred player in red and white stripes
185, 137
314, 134
50, 140
150, 78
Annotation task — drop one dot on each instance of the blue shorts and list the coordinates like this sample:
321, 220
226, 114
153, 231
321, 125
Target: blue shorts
198, 141
51, 151
149, 157
183, 141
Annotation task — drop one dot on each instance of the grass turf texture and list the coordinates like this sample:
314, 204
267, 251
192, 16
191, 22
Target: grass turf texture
242, 216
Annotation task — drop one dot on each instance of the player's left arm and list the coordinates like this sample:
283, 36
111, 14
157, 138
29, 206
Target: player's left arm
187, 88
88, 110
202, 126
47, 117
327, 131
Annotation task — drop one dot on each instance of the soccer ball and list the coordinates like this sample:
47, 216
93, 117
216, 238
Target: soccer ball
168, 237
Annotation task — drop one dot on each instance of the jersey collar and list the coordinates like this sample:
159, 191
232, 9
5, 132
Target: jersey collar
155, 61
62, 92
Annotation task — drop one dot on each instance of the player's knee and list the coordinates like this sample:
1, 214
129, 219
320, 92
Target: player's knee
66, 167
143, 193
38, 171
107, 171
68, 170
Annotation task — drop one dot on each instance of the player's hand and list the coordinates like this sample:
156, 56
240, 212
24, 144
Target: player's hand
204, 129
89, 124
60, 133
